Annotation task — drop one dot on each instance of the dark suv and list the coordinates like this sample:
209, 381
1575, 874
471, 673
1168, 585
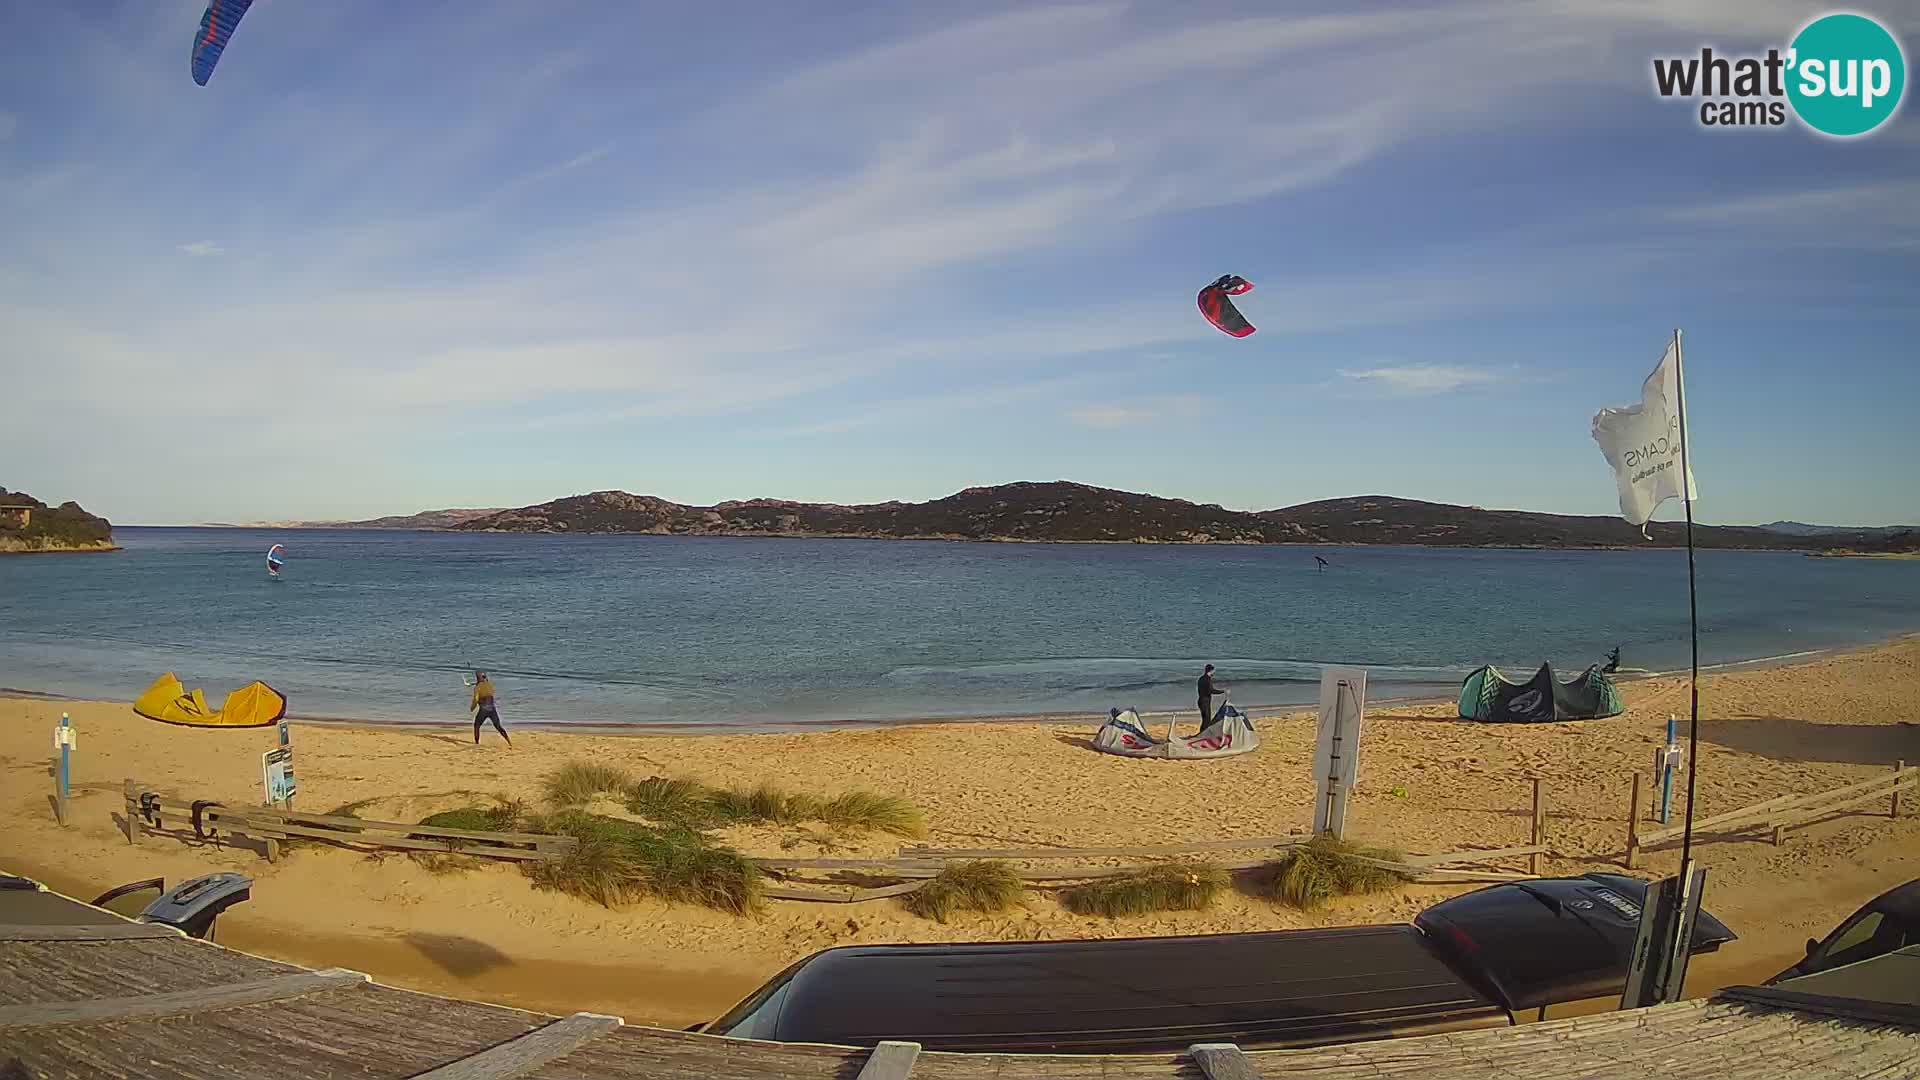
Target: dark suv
1469, 962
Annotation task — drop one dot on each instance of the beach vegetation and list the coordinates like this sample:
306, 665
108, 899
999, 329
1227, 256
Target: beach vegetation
615, 861
1172, 886
504, 816
987, 886
873, 811
690, 804
669, 801
580, 782
1326, 867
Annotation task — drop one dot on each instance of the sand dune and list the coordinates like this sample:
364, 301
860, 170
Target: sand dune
1429, 783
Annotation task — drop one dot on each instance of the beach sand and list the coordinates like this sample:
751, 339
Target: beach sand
1428, 783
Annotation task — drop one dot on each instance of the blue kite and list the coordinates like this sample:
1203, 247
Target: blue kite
216, 26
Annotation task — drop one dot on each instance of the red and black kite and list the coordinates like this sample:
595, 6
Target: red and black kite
1220, 311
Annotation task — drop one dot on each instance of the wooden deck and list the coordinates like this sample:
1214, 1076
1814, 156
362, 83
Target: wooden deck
85, 994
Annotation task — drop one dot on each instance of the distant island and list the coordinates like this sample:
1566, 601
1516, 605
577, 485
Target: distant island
1066, 512
425, 519
29, 525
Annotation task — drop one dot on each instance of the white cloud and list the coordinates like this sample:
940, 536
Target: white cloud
1880, 214
1139, 413
788, 237
1414, 379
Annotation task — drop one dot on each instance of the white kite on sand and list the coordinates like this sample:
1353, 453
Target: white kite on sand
1125, 734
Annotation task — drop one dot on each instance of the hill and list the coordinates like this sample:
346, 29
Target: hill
1382, 519
1062, 512
1798, 528
425, 519
1054, 512
27, 524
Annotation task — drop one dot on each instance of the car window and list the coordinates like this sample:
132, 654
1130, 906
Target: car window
1855, 941
756, 1017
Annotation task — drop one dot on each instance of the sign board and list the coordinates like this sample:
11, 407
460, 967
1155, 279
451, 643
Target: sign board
1664, 941
1336, 748
276, 774
66, 736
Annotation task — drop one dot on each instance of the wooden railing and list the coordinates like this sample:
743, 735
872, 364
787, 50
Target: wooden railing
1780, 814
152, 811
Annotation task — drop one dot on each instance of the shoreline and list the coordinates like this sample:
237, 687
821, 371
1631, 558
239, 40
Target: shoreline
1647, 545
1051, 718
61, 550
1430, 782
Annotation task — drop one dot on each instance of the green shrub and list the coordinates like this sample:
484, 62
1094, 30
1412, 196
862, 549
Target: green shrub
872, 810
615, 861
1324, 868
580, 782
986, 886
1167, 887
671, 802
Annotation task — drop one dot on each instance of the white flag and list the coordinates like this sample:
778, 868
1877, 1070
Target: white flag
1642, 442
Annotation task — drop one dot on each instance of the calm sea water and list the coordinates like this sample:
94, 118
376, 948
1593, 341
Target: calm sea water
656, 631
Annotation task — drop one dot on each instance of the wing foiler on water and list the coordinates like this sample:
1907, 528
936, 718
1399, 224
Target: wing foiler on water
1220, 311
276, 558
216, 27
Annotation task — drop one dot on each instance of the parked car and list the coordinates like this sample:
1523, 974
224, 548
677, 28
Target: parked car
1468, 962
1887, 922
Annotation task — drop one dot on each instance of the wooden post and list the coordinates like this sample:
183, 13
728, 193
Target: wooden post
1539, 828
1633, 824
1779, 834
1898, 768
132, 791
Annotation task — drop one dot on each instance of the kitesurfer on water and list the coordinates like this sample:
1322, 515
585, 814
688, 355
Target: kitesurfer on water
483, 707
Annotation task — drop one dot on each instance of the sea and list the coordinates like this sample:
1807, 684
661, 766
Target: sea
633, 632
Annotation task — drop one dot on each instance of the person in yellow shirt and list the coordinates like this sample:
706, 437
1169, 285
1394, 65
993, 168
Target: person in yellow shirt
483, 707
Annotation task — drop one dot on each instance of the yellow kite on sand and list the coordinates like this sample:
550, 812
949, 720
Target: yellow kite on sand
253, 705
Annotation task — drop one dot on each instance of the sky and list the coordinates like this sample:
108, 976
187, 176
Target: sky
462, 253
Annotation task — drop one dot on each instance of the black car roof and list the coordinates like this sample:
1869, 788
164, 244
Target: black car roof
1901, 900
1139, 993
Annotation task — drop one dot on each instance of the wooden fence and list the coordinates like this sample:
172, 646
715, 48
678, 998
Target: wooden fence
151, 811
918, 865
1779, 814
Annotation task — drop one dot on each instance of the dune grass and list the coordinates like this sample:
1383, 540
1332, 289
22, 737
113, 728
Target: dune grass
670, 802
580, 782
1324, 868
504, 816
693, 805
986, 886
1174, 886
615, 862
874, 811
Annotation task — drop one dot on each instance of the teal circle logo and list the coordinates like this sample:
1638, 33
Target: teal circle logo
1846, 74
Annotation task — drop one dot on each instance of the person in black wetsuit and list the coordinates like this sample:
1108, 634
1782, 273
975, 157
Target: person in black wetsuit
1207, 692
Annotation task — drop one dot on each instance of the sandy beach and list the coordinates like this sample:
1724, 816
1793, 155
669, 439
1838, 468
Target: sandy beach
1429, 783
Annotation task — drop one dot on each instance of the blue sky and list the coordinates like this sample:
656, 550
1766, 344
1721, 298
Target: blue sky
399, 256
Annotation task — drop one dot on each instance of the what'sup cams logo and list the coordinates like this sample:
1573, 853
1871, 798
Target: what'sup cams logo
1843, 75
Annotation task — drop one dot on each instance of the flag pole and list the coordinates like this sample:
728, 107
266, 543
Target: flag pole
1693, 607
